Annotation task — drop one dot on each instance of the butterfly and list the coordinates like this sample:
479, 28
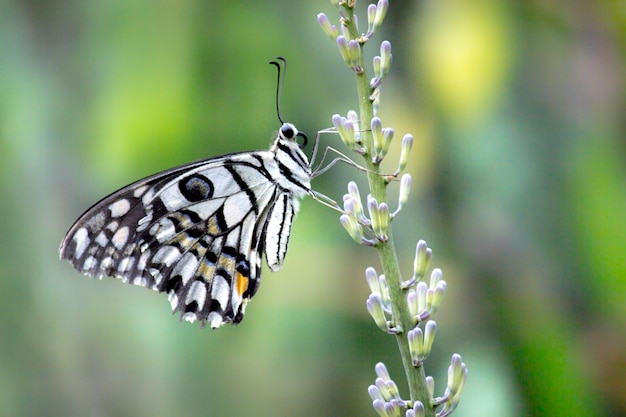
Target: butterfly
198, 232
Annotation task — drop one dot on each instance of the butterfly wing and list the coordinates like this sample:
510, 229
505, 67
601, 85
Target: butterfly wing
195, 232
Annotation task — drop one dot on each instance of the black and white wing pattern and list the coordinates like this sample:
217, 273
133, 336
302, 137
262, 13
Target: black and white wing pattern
198, 232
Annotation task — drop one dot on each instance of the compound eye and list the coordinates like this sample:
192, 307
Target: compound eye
288, 131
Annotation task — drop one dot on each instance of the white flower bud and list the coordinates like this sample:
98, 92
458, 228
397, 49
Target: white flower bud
405, 152
330, 30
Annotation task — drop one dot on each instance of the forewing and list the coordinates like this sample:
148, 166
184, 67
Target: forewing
191, 232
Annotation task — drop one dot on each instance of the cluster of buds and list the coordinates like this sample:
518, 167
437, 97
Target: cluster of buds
381, 64
360, 227
457, 376
349, 131
422, 301
381, 139
384, 393
350, 52
349, 45
387, 402
378, 303
375, 16
353, 218
386, 398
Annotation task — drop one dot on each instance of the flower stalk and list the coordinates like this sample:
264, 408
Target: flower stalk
397, 307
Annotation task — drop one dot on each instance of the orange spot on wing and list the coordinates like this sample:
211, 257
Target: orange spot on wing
241, 283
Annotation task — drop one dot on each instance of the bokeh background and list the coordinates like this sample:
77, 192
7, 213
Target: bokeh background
519, 172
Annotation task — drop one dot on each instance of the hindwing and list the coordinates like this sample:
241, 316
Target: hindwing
195, 232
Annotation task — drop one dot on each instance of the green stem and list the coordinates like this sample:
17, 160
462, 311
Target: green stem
386, 250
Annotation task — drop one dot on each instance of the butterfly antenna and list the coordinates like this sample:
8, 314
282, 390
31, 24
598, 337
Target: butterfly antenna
279, 82
279, 91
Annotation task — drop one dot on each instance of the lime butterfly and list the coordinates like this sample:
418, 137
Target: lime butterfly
198, 232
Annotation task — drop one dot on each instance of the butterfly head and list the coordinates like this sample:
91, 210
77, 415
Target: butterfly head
289, 155
289, 133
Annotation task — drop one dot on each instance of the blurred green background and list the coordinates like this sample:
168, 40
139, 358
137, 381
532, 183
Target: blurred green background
519, 172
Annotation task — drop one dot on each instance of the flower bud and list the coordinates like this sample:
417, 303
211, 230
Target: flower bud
374, 306
392, 391
403, 197
387, 137
456, 372
429, 337
379, 406
342, 44
382, 372
349, 138
375, 393
352, 227
423, 254
377, 136
353, 190
371, 16
392, 409
338, 122
371, 276
421, 291
383, 226
416, 343
376, 64
459, 391
381, 11
437, 288
405, 151
384, 289
437, 297
354, 50
372, 208
353, 117
330, 30
457, 375
385, 56
435, 277
430, 386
